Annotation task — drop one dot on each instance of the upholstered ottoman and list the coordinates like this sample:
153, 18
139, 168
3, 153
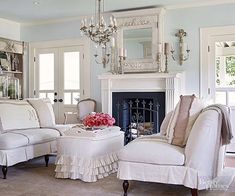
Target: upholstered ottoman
88, 155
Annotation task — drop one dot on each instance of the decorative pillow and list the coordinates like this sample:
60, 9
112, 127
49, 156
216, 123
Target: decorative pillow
44, 111
17, 115
197, 106
165, 122
182, 120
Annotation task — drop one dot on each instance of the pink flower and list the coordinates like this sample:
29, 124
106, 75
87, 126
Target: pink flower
98, 119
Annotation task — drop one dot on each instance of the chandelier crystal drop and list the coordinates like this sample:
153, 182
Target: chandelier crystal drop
97, 30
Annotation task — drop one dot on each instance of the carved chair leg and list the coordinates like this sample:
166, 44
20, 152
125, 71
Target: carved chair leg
47, 160
125, 186
194, 192
4, 171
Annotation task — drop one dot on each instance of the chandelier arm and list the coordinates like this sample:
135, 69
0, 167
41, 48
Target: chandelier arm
99, 13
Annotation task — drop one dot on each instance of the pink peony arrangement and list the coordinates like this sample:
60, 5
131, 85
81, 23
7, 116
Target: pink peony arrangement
98, 119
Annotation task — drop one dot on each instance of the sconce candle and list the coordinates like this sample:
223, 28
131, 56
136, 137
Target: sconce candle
160, 47
113, 42
122, 52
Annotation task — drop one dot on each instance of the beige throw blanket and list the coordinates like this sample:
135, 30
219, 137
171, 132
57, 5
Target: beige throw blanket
226, 128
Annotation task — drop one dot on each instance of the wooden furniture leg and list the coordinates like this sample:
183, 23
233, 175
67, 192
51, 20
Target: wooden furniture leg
125, 186
194, 192
47, 160
4, 171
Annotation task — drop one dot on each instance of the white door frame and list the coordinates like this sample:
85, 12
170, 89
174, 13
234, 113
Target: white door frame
56, 44
206, 35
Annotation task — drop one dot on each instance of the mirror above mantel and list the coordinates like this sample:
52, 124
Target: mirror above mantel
138, 43
140, 32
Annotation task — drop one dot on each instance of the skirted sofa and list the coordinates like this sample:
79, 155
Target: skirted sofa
27, 130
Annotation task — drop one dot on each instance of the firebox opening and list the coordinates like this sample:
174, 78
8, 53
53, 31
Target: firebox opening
138, 113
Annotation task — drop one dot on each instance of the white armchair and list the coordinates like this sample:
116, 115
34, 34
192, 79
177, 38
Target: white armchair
194, 166
84, 107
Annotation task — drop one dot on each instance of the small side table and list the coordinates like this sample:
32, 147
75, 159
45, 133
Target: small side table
88, 155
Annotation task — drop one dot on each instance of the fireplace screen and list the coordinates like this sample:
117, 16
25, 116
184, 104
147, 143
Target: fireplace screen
138, 113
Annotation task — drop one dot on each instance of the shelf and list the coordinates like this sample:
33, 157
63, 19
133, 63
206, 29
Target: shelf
12, 72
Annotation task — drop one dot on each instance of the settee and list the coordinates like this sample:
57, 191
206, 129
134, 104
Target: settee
27, 130
195, 162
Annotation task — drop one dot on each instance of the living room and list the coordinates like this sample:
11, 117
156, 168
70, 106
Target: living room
152, 52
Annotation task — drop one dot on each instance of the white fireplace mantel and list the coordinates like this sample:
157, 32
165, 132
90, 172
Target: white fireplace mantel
171, 83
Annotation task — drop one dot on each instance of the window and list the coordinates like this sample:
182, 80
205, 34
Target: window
225, 73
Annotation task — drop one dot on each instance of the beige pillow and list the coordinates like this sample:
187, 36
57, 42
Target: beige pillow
182, 119
44, 111
196, 107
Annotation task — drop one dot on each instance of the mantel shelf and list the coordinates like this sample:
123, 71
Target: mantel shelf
139, 76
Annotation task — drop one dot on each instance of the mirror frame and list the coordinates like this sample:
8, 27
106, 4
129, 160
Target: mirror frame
139, 19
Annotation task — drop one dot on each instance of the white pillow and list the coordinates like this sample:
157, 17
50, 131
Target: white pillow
16, 114
44, 111
165, 122
197, 106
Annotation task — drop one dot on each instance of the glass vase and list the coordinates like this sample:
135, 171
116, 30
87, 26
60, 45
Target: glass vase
13, 87
3, 86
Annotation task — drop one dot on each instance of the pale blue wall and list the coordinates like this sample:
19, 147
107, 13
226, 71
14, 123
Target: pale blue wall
59, 31
190, 19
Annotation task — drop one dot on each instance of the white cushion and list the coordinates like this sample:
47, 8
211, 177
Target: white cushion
165, 122
152, 152
11, 140
36, 136
44, 111
17, 115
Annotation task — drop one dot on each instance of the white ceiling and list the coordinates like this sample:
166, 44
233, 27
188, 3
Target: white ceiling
25, 11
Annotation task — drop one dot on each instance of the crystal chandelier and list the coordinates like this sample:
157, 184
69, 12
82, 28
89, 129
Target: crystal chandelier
99, 32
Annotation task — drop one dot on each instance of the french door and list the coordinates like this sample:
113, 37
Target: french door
58, 77
218, 69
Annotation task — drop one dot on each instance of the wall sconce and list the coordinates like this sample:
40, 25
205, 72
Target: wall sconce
183, 47
104, 59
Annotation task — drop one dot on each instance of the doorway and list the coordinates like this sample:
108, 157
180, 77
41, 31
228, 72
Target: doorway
218, 69
60, 75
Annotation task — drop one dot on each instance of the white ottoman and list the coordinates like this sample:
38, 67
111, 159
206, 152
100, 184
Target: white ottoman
88, 155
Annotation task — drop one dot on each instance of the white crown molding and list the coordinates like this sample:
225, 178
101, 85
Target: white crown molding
199, 4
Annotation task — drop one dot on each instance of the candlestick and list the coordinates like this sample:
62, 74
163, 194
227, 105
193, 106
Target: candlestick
167, 49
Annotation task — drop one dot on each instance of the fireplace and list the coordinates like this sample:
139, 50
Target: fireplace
166, 86
138, 113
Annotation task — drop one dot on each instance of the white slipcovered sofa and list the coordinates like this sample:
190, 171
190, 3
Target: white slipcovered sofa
26, 131
195, 165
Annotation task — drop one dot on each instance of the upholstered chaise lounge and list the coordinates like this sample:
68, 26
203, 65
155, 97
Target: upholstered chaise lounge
194, 165
26, 132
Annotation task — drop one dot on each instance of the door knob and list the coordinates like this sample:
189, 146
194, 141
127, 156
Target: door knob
55, 100
55, 93
60, 100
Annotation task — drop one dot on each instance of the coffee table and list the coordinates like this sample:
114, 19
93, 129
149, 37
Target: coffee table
88, 155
